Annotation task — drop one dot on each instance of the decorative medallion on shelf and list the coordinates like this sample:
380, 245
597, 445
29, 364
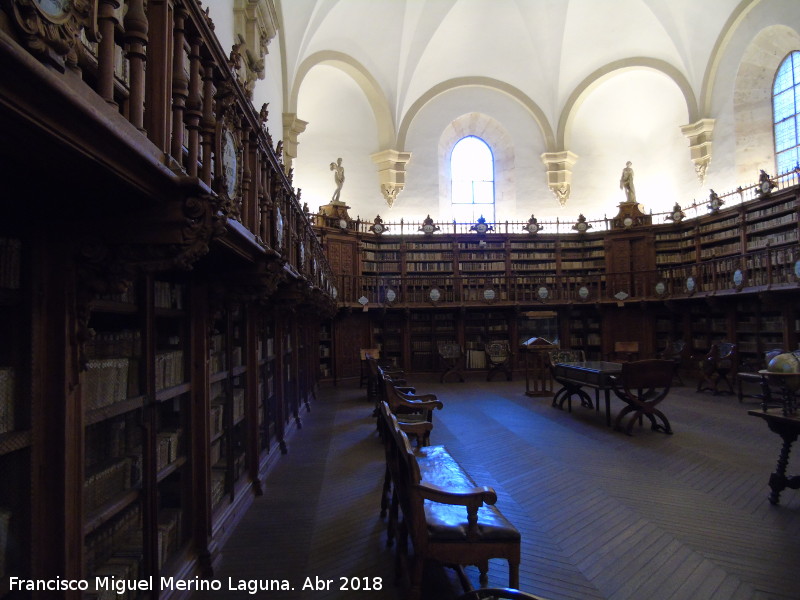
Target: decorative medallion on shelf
714, 202
630, 215
677, 215
363, 301
797, 269
435, 295
543, 293
342, 223
334, 292
532, 226
621, 296
390, 296
377, 226
738, 279
489, 294
661, 288
278, 228
691, 285
428, 226
583, 293
52, 28
230, 163
765, 184
581, 225
481, 226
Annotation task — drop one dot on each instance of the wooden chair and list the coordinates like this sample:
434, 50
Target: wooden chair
500, 358
643, 385
678, 353
722, 360
452, 358
568, 389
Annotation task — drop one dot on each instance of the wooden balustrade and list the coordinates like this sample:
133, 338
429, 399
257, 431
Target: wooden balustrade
160, 65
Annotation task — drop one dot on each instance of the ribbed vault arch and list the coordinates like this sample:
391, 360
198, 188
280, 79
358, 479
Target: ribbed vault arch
486, 82
582, 91
368, 84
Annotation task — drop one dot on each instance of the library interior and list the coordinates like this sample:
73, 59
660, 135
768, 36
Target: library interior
399, 299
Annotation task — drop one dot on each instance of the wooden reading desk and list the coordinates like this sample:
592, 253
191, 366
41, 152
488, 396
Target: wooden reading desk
574, 376
787, 426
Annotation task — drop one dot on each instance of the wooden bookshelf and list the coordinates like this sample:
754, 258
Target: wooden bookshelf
15, 404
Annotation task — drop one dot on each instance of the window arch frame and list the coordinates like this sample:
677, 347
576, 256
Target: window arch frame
490, 212
491, 131
793, 60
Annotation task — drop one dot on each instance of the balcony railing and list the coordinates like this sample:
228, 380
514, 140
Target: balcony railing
160, 66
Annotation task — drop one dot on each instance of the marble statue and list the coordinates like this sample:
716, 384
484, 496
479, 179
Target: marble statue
626, 183
338, 177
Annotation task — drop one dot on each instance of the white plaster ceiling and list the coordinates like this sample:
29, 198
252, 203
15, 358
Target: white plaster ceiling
610, 80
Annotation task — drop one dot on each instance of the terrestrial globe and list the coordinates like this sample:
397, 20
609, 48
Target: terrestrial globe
787, 367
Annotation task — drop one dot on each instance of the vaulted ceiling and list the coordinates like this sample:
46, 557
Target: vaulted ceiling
605, 80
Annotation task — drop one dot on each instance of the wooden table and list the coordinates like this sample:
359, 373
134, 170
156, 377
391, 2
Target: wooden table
786, 426
596, 374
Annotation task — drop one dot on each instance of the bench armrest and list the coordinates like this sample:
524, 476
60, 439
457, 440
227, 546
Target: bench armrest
404, 389
476, 496
418, 428
418, 405
424, 397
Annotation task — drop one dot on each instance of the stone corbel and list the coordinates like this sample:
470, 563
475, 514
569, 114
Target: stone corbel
292, 127
559, 173
255, 24
391, 172
700, 146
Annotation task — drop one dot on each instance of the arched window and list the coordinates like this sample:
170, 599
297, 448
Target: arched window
472, 180
785, 113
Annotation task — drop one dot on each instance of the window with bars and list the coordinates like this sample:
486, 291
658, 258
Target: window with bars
786, 110
472, 180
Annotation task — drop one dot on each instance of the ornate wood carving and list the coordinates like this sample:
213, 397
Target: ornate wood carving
52, 30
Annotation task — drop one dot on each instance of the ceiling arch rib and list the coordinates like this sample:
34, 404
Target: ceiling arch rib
368, 84
723, 39
486, 82
604, 73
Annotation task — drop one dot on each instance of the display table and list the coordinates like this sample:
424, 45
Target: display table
574, 376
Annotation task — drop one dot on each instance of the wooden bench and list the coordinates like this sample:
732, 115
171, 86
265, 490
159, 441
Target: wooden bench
375, 371
448, 518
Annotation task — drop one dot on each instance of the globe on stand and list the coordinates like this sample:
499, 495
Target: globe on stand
784, 371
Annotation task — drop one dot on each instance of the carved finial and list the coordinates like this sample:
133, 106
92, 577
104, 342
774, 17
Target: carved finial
263, 114
714, 201
235, 60
581, 225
